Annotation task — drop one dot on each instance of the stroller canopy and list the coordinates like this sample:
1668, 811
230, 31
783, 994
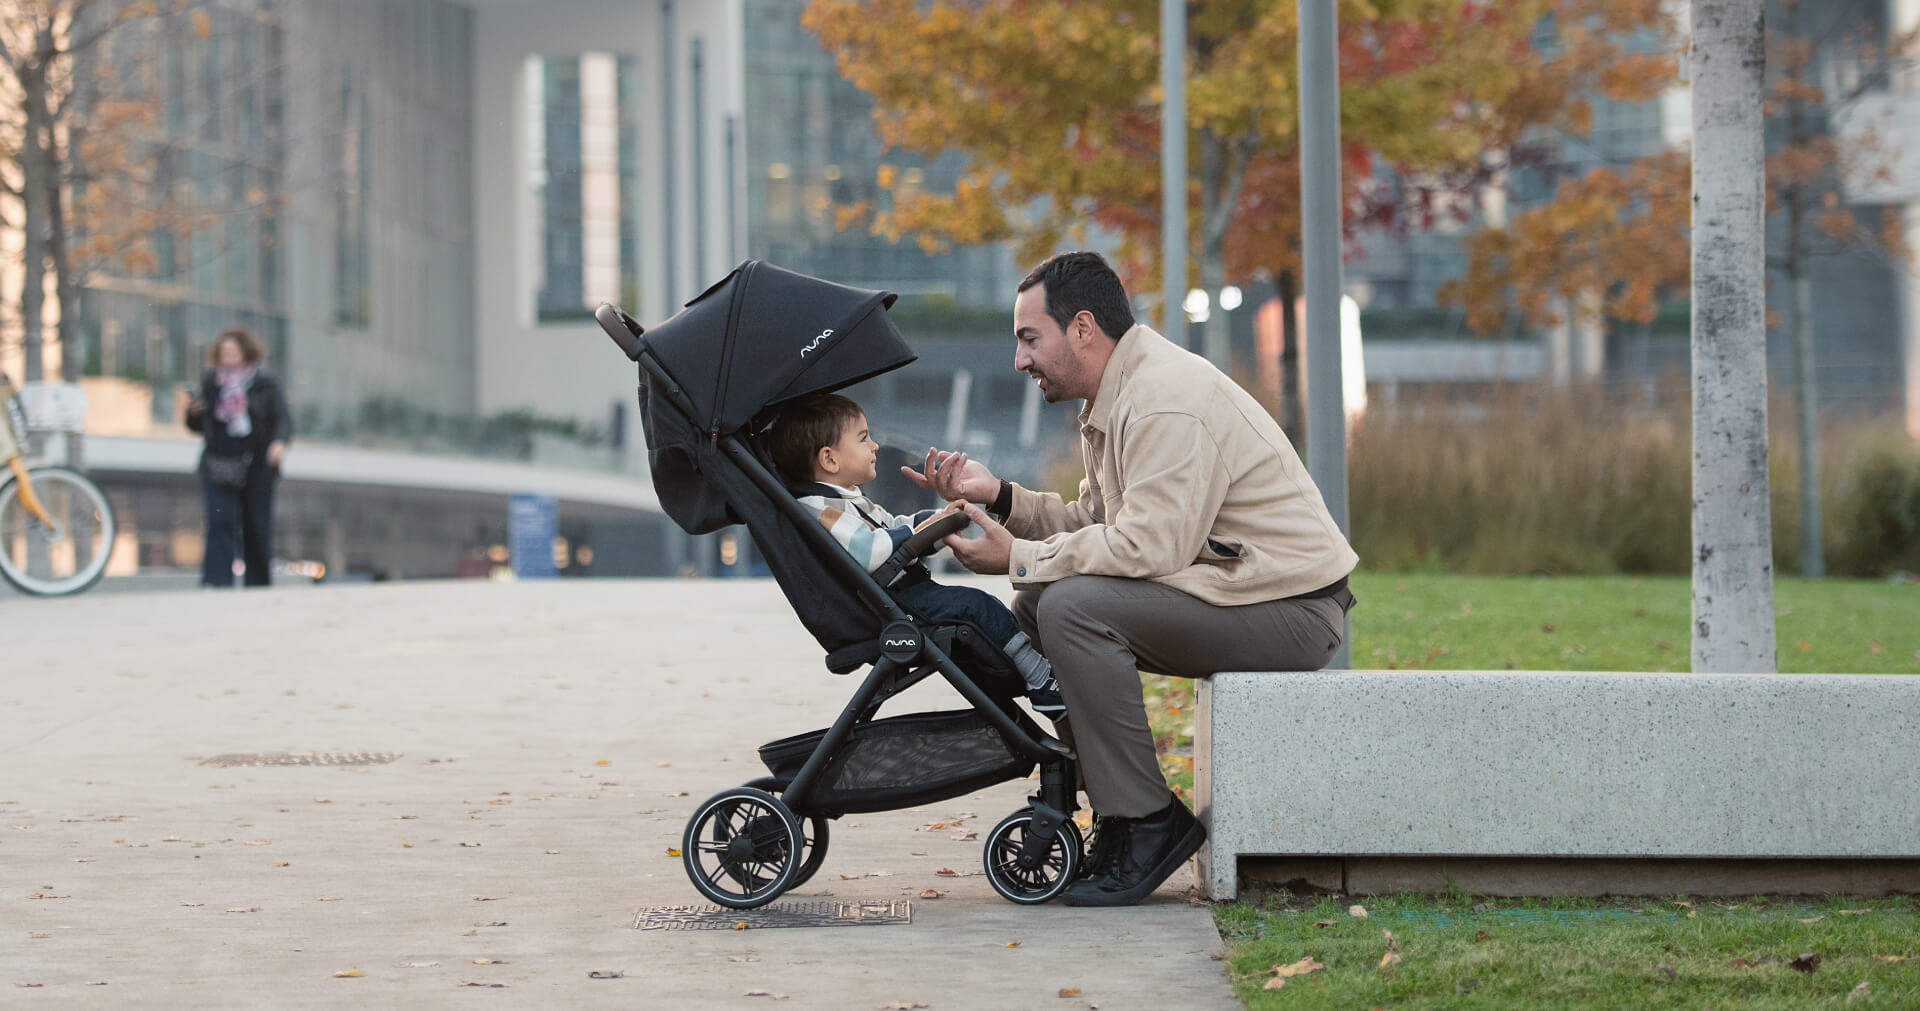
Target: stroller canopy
764, 334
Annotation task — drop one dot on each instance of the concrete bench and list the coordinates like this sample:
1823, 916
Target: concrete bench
1543, 782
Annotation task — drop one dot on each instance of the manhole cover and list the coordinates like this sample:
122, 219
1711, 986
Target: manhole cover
305, 758
779, 914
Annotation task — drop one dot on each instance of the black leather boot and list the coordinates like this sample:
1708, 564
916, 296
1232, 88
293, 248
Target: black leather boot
1099, 857
1143, 853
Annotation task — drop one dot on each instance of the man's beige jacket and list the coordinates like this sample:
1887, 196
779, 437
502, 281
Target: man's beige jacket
1190, 483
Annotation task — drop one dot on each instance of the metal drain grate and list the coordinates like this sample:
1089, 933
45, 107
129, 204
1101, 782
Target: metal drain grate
305, 758
779, 914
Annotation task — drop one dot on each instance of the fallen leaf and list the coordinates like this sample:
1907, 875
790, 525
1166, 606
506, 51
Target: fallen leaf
1802, 645
1323, 923
1853, 912
1069, 991
1391, 958
418, 965
281, 863
193, 905
496, 923
486, 898
1481, 935
405, 844
918, 853
49, 895
1684, 905
1890, 958
1360, 911
29, 986
1012, 944
1392, 945
1300, 968
604, 761
1863, 990
606, 974
1813, 919
471, 845
947, 872
764, 993
740, 925
1807, 962
327, 898
930, 894
1275, 983
674, 852
1668, 970
489, 961
964, 838
38, 933
662, 765
1547, 628
244, 909
1481, 907
901, 1005
346, 973
496, 986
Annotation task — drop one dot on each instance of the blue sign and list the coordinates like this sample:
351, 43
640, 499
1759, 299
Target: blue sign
531, 527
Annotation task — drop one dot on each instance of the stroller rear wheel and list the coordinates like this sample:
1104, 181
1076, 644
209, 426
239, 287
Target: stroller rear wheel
1045, 874
741, 848
813, 845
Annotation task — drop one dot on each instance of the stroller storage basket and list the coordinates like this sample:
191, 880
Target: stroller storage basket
903, 761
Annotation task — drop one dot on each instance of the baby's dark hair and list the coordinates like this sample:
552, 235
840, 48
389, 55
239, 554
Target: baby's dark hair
805, 425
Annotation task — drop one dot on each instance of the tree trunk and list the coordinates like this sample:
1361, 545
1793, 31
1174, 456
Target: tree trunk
1290, 398
65, 286
1733, 627
1223, 172
1813, 558
33, 165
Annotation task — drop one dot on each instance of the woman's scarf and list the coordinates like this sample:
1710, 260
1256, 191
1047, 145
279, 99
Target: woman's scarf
232, 407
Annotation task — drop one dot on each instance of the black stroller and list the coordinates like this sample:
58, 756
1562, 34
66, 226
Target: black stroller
708, 379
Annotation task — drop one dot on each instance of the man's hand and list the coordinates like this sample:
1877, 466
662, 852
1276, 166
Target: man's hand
988, 554
953, 476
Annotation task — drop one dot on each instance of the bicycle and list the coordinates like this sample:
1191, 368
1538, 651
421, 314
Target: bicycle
56, 528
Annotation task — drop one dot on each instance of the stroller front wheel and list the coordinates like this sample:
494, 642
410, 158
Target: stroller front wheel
742, 848
1050, 865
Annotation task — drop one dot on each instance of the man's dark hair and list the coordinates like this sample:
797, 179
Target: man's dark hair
1082, 280
802, 426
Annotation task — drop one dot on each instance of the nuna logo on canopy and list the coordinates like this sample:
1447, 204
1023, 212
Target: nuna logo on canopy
816, 342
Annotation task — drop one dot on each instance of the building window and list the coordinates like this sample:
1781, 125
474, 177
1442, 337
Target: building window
352, 263
583, 176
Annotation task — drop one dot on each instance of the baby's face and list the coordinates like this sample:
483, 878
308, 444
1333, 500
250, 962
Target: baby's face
858, 454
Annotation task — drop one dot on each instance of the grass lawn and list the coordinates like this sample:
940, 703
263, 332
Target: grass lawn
1460, 952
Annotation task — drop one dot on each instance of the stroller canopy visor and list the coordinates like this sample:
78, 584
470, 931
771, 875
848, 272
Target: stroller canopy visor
763, 334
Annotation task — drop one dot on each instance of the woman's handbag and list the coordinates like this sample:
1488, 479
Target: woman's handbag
228, 471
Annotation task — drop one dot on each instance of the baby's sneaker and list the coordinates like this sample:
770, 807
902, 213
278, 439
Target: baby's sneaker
1046, 700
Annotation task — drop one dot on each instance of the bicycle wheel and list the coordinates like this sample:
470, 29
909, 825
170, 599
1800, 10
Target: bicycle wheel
67, 557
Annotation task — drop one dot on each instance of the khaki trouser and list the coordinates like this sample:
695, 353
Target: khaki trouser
1100, 632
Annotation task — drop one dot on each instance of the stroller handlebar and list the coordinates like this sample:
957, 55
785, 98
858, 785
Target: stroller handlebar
925, 541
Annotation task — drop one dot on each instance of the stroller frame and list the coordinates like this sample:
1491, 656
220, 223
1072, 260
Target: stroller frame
745, 846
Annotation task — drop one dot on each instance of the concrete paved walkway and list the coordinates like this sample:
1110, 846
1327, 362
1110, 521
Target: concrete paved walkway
552, 740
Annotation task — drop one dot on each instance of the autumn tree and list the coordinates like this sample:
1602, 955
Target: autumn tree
82, 98
1621, 232
1056, 108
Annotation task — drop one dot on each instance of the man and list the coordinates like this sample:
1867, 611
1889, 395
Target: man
1198, 544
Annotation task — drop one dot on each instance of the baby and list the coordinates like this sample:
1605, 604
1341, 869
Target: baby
820, 441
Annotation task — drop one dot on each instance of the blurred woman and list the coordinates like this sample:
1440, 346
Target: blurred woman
246, 432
